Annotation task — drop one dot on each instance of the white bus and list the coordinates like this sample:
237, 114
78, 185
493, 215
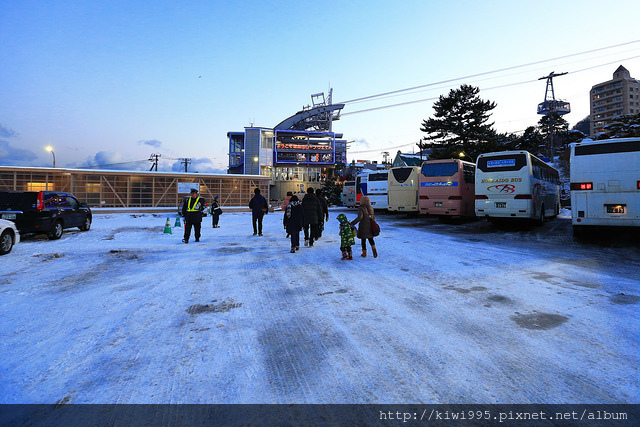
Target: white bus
349, 194
374, 185
516, 184
403, 184
605, 183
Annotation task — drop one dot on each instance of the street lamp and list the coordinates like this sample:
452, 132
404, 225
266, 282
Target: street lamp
463, 155
50, 149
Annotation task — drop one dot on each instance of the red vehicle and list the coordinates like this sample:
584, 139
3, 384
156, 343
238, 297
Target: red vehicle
447, 188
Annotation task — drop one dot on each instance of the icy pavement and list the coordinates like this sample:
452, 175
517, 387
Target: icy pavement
125, 313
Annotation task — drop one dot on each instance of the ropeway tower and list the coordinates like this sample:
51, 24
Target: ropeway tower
552, 106
550, 103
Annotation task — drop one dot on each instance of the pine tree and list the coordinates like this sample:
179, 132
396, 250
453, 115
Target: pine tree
554, 124
625, 126
531, 140
332, 191
459, 124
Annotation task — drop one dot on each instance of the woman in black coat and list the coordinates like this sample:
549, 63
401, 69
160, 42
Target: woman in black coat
293, 221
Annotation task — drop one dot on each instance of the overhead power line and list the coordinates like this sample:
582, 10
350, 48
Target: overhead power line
487, 72
378, 149
481, 89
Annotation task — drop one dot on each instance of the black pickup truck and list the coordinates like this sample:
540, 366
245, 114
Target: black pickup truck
47, 212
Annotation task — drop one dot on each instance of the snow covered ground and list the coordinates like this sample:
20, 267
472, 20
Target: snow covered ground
448, 313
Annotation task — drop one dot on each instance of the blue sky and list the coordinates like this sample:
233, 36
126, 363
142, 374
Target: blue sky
114, 81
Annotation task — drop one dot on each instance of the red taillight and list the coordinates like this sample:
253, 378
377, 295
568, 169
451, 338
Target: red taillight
39, 202
481, 196
424, 197
523, 196
455, 197
638, 186
581, 186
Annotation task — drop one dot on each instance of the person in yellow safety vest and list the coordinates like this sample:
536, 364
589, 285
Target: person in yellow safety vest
192, 208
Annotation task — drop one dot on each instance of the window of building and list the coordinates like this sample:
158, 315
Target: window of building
39, 186
267, 140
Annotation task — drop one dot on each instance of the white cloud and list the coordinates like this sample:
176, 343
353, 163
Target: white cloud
202, 165
151, 142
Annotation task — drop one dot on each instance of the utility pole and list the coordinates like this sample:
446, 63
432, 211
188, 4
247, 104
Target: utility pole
154, 158
186, 162
385, 157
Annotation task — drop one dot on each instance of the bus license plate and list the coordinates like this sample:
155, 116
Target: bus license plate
437, 204
501, 204
616, 209
8, 216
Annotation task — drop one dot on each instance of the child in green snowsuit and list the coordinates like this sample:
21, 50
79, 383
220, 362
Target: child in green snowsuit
346, 236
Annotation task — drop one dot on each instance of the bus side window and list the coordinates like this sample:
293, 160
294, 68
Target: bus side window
469, 174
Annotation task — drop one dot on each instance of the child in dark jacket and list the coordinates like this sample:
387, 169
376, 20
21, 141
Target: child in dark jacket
346, 237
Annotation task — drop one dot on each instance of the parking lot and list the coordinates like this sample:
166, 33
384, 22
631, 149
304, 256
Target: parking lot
462, 312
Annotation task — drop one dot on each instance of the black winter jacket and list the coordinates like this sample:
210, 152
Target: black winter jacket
312, 209
257, 204
293, 217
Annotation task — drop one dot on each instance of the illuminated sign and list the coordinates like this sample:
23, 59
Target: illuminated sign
501, 163
439, 184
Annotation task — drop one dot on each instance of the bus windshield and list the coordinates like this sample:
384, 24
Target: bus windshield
439, 169
401, 174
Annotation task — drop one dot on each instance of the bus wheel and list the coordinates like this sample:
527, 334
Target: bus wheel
541, 216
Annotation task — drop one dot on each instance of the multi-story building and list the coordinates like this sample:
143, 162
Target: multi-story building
299, 152
613, 98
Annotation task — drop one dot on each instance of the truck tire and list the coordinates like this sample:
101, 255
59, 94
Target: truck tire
56, 231
6, 242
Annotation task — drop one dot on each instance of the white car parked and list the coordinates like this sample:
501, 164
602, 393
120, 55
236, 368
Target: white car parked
9, 236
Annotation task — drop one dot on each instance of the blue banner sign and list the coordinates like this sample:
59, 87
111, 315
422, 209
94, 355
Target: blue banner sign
501, 163
439, 184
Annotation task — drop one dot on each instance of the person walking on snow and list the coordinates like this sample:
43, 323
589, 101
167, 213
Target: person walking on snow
192, 208
259, 208
346, 237
312, 215
285, 202
365, 212
215, 212
293, 221
325, 212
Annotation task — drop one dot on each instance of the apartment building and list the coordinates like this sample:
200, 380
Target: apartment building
613, 98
